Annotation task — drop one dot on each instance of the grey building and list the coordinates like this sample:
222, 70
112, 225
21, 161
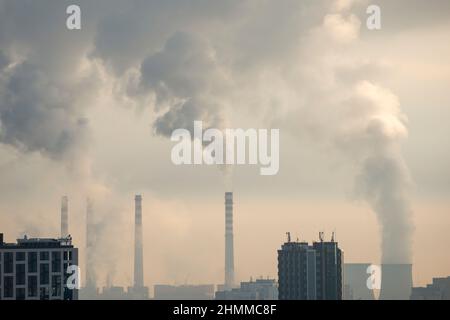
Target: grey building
184, 292
310, 272
439, 289
36, 269
261, 289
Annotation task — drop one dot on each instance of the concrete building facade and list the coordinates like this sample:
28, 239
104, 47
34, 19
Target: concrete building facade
36, 269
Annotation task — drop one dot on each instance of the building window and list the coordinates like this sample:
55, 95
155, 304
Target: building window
68, 294
56, 286
44, 255
43, 272
32, 286
43, 293
20, 256
8, 288
9, 262
32, 261
56, 261
20, 274
20, 293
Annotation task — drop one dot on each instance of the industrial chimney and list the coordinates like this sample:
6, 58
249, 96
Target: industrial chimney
138, 258
90, 243
229, 245
64, 217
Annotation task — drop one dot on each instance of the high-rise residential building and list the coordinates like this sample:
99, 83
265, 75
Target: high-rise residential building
37, 269
329, 263
310, 272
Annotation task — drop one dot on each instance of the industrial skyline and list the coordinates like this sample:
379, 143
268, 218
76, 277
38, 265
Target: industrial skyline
305, 272
309, 282
310, 116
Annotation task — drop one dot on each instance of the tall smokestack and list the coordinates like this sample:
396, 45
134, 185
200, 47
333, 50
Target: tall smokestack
138, 261
90, 242
64, 217
229, 245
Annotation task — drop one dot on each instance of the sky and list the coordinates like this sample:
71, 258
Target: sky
364, 147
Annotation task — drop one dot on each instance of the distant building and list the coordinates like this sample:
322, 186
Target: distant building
89, 293
114, 293
439, 289
36, 269
184, 292
261, 289
111, 292
310, 272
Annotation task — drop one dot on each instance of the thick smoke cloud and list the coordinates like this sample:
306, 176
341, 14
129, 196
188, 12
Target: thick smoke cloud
292, 63
43, 92
185, 78
36, 114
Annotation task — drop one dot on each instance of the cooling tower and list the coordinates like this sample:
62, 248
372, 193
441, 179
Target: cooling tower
64, 217
229, 245
396, 281
138, 259
355, 277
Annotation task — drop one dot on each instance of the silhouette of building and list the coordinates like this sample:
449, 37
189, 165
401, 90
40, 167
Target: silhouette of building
184, 292
439, 289
261, 289
310, 272
36, 269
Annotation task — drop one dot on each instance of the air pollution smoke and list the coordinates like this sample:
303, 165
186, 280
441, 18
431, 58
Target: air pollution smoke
362, 120
184, 78
298, 64
328, 92
187, 83
383, 180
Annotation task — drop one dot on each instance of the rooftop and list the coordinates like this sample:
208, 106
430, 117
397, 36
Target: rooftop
26, 243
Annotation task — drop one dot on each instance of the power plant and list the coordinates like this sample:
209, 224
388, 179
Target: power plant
229, 242
396, 281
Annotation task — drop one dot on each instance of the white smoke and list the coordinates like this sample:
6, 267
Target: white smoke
293, 63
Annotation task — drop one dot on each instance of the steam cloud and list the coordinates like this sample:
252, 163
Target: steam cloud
292, 64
